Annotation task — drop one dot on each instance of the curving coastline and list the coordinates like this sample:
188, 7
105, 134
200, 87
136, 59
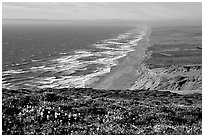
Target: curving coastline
79, 68
123, 75
141, 95
167, 58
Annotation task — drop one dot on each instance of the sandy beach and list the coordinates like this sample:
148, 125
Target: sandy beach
161, 61
123, 75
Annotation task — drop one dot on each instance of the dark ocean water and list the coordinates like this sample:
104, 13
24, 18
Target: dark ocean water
40, 55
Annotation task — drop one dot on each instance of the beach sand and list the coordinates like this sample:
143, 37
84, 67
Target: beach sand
123, 75
156, 65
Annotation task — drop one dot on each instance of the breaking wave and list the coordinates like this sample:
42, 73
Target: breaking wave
77, 69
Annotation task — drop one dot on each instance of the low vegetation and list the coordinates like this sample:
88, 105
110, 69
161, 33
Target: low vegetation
180, 45
85, 111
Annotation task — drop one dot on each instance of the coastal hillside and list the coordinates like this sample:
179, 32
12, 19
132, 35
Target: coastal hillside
155, 90
86, 111
173, 61
101, 68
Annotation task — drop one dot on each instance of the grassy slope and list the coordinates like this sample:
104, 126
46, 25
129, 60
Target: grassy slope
174, 61
89, 111
180, 45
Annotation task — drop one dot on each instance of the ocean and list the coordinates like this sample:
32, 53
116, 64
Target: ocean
44, 54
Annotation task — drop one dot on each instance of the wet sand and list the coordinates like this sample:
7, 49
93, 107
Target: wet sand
123, 75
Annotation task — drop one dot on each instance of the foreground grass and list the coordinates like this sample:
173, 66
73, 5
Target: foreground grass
89, 111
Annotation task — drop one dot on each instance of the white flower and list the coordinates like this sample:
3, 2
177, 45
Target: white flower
55, 114
69, 115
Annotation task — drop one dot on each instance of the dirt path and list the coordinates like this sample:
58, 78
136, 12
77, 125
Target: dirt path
123, 76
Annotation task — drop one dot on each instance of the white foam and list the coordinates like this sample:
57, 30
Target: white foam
6, 85
70, 81
13, 72
4, 74
63, 53
39, 67
35, 60
24, 63
67, 64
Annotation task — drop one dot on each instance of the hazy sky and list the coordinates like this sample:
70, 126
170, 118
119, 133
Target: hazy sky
99, 10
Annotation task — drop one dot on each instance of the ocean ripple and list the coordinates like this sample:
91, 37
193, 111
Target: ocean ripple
77, 69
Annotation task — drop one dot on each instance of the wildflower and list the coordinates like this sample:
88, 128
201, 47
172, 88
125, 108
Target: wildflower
20, 114
56, 114
48, 117
69, 115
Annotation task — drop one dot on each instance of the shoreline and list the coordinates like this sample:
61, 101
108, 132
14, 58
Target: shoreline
63, 79
123, 75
